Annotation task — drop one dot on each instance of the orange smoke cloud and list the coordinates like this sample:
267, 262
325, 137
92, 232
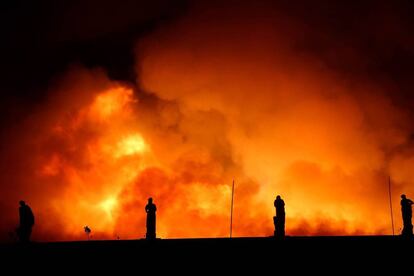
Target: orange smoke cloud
222, 95
322, 140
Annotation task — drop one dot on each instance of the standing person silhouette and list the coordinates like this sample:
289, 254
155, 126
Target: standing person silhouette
150, 208
279, 219
407, 214
27, 221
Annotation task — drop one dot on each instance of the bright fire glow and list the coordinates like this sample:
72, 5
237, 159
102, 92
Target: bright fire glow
110, 102
108, 205
130, 145
234, 99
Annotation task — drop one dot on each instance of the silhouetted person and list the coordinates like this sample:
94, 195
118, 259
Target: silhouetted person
26, 222
279, 219
151, 218
407, 214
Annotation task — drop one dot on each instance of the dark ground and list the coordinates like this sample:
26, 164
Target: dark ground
312, 254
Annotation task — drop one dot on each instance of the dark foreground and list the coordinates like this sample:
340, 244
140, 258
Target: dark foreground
314, 254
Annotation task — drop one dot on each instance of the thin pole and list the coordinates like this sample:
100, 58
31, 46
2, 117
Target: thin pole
389, 192
231, 211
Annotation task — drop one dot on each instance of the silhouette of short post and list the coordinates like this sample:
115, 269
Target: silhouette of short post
87, 231
279, 219
27, 221
407, 214
150, 209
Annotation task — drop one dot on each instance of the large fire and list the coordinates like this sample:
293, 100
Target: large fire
234, 98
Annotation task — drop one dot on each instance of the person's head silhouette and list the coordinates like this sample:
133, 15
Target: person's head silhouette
150, 200
278, 197
403, 196
22, 203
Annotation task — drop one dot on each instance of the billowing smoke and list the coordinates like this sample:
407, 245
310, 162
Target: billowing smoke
225, 92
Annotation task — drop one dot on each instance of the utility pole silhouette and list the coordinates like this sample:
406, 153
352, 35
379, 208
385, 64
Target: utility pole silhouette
389, 192
231, 210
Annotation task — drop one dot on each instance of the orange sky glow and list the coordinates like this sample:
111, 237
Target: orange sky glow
213, 104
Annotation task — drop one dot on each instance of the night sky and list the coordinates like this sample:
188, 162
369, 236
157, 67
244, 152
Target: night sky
40, 39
